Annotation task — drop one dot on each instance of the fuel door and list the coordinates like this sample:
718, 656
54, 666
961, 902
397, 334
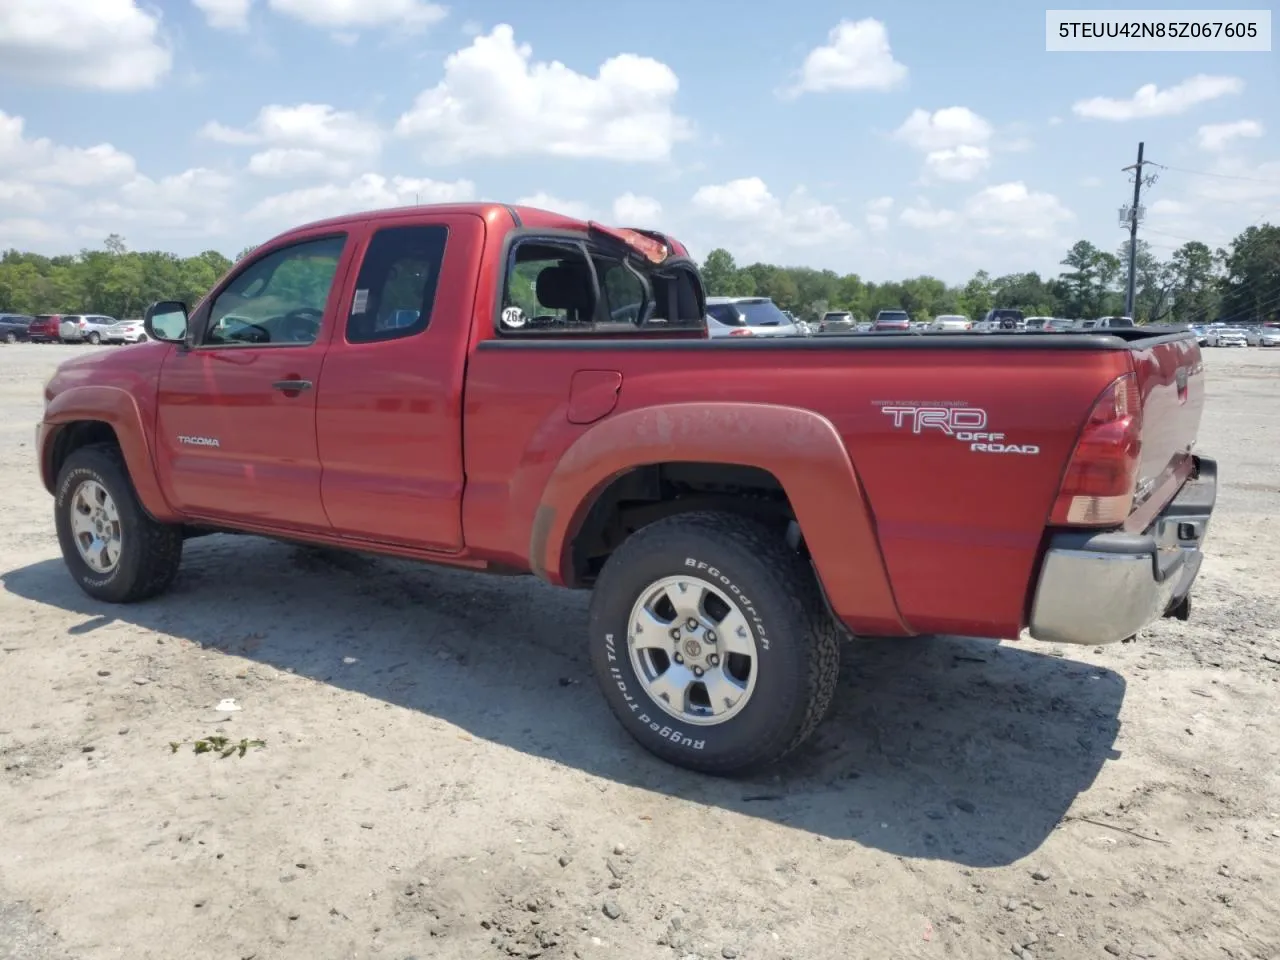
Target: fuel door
593, 394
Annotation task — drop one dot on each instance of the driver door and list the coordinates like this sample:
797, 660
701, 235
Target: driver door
236, 418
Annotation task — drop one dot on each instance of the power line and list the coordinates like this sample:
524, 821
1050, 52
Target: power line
1217, 176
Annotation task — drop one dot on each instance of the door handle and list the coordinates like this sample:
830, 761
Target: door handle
292, 386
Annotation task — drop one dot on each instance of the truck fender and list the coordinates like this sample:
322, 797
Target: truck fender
118, 409
802, 449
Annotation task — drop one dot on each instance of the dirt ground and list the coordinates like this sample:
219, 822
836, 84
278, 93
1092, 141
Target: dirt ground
441, 778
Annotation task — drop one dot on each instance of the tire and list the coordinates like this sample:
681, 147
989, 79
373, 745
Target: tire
10, 337
796, 646
94, 339
148, 553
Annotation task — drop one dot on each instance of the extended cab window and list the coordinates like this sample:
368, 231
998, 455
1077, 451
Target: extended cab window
397, 284
279, 299
565, 286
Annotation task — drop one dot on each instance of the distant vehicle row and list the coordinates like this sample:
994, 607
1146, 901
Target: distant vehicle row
69, 328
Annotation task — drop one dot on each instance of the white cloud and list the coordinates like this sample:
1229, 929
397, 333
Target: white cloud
943, 129
190, 203
368, 192
108, 44
309, 138
1012, 210
545, 201
878, 213
953, 139
1055, 121
798, 221
17, 195
1151, 101
42, 161
1007, 210
362, 14
1217, 136
225, 14
856, 57
630, 210
922, 215
495, 101
285, 163
25, 232
957, 164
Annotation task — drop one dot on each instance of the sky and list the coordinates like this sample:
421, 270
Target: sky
888, 140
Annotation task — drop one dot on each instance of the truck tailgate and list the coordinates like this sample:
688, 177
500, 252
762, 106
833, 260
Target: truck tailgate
1170, 376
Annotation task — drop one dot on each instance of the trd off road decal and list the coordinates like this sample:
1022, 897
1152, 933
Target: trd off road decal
958, 420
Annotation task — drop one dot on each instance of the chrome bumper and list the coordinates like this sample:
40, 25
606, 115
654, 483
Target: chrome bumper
1104, 587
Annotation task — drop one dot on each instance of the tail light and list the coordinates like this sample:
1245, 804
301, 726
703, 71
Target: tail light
1099, 484
740, 332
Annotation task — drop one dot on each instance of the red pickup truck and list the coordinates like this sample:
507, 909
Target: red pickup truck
509, 390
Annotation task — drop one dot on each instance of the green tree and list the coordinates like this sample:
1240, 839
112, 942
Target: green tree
718, 271
1250, 283
1195, 284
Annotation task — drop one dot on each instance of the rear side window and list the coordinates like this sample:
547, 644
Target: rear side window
397, 284
726, 314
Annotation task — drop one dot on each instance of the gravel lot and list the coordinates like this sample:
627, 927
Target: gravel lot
441, 778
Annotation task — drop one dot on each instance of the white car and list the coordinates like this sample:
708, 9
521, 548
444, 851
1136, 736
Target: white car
1266, 335
1227, 337
952, 322
82, 327
747, 317
126, 331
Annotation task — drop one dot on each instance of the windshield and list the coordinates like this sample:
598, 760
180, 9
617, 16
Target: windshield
894, 315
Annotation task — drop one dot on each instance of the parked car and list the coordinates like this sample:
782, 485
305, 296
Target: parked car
951, 322
837, 321
1003, 319
1083, 324
1202, 334
13, 327
704, 491
126, 331
1052, 324
44, 328
1113, 323
747, 317
891, 320
1227, 337
1263, 335
85, 328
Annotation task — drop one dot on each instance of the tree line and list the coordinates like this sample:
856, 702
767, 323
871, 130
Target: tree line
1238, 284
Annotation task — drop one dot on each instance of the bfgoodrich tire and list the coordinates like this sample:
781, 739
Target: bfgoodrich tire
712, 644
112, 548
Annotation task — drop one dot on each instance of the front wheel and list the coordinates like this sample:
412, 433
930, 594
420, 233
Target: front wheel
95, 339
712, 644
113, 549
11, 337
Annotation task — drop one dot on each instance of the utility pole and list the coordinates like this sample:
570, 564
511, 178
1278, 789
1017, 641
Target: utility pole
1135, 214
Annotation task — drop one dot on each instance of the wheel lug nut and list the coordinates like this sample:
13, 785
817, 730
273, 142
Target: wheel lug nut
679, 659
675, 634
713, 660
711, 637
693, 624
697, 671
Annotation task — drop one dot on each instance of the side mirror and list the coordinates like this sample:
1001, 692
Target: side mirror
166, 320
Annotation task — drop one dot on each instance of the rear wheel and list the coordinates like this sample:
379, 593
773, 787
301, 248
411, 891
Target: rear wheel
94, 338
10, 337
112, 548
711, 642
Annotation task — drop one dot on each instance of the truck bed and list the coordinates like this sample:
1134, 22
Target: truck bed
960, 530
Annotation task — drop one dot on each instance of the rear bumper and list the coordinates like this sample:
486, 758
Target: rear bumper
1098, 588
